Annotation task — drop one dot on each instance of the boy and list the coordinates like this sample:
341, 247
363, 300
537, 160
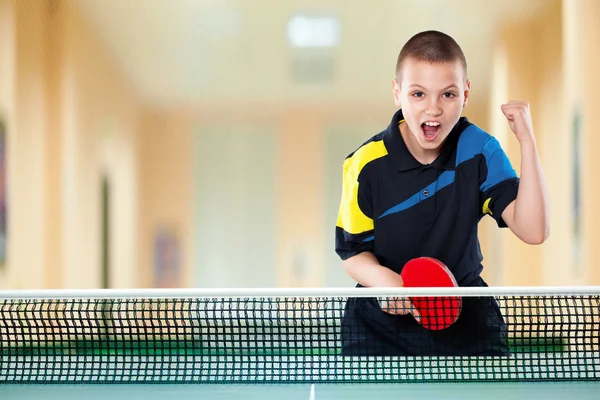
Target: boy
418, 189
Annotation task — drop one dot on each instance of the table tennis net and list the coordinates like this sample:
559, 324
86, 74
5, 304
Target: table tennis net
278, 339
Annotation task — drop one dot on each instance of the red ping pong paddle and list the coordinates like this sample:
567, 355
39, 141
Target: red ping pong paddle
437, 312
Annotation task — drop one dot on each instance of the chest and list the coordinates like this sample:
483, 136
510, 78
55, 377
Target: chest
425, 195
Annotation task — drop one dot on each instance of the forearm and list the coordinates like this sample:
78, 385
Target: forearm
365, 269
532, 209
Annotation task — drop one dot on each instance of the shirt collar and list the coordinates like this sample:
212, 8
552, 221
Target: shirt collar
405, 161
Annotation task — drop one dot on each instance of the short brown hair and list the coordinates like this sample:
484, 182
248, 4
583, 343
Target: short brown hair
431, 46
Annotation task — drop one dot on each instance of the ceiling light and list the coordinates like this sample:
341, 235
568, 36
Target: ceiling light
306, 32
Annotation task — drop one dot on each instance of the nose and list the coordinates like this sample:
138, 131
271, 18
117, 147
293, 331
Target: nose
433, 108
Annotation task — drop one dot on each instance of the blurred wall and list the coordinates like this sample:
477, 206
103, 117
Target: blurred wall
587, 13
166, 190
72, 119
248, 193
7, 105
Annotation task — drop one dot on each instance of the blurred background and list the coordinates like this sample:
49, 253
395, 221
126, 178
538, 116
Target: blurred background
199, 143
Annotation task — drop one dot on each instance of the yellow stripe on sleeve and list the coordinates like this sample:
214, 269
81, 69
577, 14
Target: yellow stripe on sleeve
350, 217
486, 207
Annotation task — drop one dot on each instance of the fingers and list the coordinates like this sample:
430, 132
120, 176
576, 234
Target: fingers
415, 313
515, 103
399, 306
515, 107
389, 305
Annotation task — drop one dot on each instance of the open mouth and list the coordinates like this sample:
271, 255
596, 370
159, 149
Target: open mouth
430, 130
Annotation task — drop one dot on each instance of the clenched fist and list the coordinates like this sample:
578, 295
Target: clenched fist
518, 115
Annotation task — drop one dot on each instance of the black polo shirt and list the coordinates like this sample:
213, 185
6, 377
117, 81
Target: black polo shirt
399, 209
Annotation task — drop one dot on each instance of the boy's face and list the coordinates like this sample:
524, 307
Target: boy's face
432, 97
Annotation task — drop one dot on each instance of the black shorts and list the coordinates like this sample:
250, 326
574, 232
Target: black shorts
479, 331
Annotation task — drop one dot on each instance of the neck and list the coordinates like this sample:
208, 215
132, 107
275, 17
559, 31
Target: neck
424, 156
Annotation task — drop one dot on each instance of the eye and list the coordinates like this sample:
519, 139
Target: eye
449, 95
418, 94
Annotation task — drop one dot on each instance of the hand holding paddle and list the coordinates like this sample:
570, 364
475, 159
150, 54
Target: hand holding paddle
436, 312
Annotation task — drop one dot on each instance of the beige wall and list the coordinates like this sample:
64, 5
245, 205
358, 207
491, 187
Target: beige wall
300, 212
27, 237
7, 106
71, 118
54, 63
166, 190
553, 121
102, 133
589, 59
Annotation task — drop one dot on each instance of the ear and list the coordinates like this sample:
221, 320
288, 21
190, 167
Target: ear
396, 92
466, 93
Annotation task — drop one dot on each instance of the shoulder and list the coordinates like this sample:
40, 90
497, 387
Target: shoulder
474, 142
369, 151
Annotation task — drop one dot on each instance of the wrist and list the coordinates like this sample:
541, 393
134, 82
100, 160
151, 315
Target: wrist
528, 143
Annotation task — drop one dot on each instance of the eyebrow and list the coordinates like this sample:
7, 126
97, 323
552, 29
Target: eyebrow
453, 86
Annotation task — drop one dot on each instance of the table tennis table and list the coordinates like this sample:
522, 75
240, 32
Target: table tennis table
92, 378
326, 391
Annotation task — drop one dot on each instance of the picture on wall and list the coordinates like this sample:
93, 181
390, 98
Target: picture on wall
167, 258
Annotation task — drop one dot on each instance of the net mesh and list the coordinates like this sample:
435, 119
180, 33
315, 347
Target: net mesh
275, 339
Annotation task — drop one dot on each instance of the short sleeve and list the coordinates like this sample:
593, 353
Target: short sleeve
354, 228
499, 183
